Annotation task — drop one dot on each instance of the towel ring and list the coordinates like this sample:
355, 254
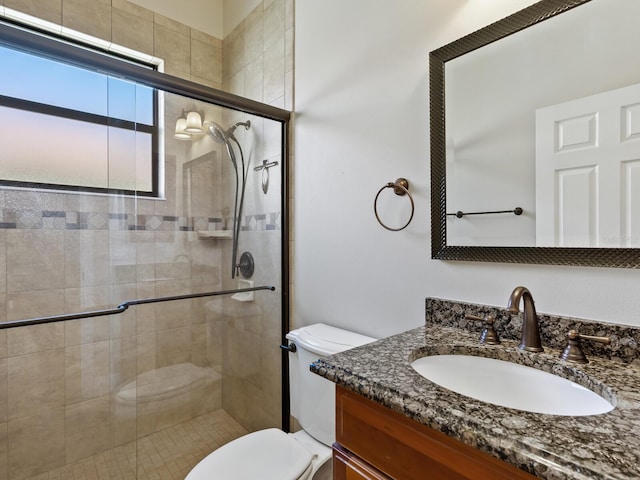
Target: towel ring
400, 187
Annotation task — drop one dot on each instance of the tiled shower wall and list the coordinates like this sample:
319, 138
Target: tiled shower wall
67, 253
258, 64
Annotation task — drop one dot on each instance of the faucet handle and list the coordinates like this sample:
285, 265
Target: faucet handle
573, 351
489, 334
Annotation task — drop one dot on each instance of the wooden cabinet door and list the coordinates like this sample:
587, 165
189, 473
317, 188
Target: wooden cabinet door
404, 449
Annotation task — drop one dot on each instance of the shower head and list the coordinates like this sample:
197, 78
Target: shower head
221, 135
217, 133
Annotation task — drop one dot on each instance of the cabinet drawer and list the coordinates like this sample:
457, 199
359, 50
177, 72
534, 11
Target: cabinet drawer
407, 450
346, 466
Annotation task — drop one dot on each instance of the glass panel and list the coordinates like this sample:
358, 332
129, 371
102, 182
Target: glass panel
150, 392
53, 158
50, 82
106, 117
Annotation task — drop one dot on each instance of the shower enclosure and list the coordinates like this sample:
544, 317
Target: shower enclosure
140, 317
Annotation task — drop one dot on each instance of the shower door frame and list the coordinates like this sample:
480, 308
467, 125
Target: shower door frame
14, 33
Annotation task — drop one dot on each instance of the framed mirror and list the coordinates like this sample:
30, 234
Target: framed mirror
535, 138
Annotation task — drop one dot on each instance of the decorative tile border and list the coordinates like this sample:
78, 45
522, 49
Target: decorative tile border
72, 220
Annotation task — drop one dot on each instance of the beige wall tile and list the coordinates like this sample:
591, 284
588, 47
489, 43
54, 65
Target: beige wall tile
87, 299
206, 82
123, 325
253, 80
171, 315
235, 85
3, 340
86, 372
254, 34
274, 71
86, 330
146, 352
171, 24
36, 382
289, 13
3, 261
50, 10
35, 260
3, 392
175, 48
198, 346
86, 258
36, 443
122, 292
132, 31
93, 17
145, 256
35, 338
173, 346
4, 441
123, 362
123, 423
274, 21
87, 428
233, 52
132, 9
145, 319
87, 203
289, 49
34, 200
206, 399
214, 343
206, 38
289, 93
206, 61
34, 304
122, 256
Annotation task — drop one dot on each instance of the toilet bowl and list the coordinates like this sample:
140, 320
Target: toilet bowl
267, 454
272, 454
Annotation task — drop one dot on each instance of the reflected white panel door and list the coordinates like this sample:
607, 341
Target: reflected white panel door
588, 171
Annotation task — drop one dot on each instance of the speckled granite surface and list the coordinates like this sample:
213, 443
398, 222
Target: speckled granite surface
603, 446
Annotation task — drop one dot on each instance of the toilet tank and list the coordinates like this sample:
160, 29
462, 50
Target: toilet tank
313, 397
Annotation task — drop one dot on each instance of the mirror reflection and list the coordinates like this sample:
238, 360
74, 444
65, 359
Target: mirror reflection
547, 120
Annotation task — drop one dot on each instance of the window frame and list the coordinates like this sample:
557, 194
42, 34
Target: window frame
106, 61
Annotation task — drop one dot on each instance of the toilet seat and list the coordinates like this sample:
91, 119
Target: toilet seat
267, 454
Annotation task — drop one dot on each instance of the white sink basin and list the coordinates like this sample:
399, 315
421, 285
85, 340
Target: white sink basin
510, 385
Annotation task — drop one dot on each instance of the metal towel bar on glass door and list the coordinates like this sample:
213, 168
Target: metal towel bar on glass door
400, 187
123, 307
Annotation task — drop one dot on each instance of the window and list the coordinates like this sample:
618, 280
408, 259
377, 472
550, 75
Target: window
75, 127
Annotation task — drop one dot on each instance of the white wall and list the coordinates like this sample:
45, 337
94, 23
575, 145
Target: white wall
361, 121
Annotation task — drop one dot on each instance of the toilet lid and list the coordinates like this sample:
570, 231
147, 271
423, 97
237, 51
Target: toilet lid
267, 454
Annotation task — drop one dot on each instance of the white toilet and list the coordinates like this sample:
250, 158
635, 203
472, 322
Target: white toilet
272, 454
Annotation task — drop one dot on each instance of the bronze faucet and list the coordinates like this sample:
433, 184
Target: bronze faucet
530, 331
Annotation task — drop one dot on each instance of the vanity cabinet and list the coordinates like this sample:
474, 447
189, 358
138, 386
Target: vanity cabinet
376, 443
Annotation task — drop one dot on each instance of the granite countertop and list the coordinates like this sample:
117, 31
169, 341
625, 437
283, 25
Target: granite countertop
602, 446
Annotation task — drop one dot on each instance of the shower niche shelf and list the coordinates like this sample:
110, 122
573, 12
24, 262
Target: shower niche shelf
215, 234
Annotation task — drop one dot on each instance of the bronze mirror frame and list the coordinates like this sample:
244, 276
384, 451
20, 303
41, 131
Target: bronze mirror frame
594, 257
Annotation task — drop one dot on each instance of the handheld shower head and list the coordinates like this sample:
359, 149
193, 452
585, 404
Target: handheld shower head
220, 135
217, 132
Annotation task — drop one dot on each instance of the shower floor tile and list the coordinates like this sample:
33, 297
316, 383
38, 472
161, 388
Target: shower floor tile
166, 455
